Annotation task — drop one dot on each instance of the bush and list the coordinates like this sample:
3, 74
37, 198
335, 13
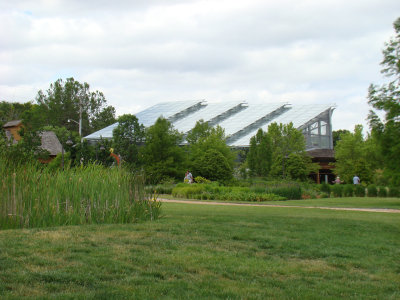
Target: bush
382, 192
290, 192
359, 190
394, 191
160, 189
337, 190
348, 190
372, 191
325, 188
200, 179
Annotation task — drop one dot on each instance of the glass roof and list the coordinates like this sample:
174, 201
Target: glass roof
298, 115
206, 114
149, 116
248, 116
187, 113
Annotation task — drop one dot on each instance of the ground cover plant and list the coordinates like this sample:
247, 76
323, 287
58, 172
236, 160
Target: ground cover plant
31, 196
200, 251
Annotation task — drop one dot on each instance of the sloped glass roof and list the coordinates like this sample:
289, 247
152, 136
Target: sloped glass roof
299, 115
248, 116
149, 116
240, 120
207, 113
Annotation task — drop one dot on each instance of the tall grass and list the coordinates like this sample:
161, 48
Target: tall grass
34, 197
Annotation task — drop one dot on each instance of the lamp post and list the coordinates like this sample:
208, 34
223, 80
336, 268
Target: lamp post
79, 124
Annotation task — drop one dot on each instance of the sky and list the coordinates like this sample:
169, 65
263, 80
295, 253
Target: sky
142, 52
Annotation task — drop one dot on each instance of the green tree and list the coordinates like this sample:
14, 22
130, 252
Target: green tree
202, 139
71, 100
289, 152
12, 111
127, 137
259, 157
337, 135
387, 98
162, 157
354, 157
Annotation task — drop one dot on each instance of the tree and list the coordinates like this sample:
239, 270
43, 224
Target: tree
71, 100
205, 141
354, 157
289, 152
259, 157
387, 98
162, 157
337, 135
127, 137
12, 111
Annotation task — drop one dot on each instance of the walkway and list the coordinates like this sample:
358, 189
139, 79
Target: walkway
385, 210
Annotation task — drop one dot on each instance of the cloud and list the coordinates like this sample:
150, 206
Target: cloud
143, 52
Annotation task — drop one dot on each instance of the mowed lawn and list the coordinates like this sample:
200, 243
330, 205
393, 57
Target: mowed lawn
204, 251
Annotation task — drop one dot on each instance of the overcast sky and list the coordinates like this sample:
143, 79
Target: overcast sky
139, 53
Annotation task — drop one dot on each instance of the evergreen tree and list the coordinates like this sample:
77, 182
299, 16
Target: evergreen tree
259, 157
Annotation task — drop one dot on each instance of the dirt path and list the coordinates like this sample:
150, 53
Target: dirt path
385, 210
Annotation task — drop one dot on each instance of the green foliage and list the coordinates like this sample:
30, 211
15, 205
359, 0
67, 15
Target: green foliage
290, 159
354, 156
215, 192
386, 98
325, 188
372, 190
287, 191
337, 135
359, 190
10, 111
213, 165
33, 197
207, 146
160, 188
382, 192
259, 157
70, 99
199, 179
162, 157
394, 191
126, 138
337, 190
348, 190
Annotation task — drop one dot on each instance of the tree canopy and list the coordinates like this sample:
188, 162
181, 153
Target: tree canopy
386, 97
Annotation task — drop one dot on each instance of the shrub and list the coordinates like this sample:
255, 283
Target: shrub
200, 179
382, 192
372, 191
325, 188
394, 191
348, 190
337, 190
290, 192
359, 190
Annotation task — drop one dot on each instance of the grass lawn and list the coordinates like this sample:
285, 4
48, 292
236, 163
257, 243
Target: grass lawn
355, 202
200, 251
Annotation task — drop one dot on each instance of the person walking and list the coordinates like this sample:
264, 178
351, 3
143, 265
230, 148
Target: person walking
356, 179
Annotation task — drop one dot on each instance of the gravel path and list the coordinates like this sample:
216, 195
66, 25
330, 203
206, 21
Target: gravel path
385, 210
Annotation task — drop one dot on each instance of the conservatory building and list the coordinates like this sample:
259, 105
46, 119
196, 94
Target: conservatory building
241, 120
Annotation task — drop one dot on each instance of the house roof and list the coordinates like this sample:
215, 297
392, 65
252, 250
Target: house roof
12, 123
50, 142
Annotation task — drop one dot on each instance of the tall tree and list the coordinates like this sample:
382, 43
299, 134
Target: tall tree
127, 137
259, 157
12, 111
162, 157
290, 159
209, 156
353, 157
387, 98
72, 100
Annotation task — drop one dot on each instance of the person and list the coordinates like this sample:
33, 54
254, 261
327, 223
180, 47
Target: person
356, 179
188, 177
337, 180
